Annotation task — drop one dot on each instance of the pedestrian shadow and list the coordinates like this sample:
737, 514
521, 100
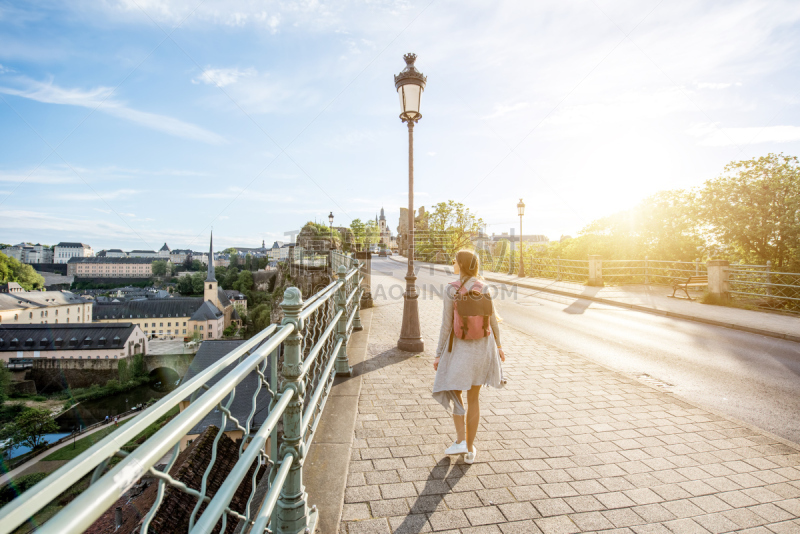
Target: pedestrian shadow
379, 361
577, 307
439, 483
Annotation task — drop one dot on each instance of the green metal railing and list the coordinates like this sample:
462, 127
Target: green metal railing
295, 362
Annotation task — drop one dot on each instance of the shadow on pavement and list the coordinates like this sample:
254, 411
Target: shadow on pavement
439, 483
379, 361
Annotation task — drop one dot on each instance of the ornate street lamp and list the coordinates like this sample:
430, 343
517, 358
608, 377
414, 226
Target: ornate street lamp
409, 84
330, 220
521, 211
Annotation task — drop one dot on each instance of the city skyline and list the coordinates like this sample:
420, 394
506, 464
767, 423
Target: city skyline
129, 124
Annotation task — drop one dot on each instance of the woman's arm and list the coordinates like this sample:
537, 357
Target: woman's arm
447, 322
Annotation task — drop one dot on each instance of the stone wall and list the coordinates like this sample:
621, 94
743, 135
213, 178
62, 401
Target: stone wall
51, 375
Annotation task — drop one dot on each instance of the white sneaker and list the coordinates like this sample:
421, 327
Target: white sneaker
457, 448
470, 456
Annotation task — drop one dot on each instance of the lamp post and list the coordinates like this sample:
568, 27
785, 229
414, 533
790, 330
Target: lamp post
410, 84
330, 220
521, 211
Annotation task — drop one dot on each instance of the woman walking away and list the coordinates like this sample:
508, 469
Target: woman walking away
469, 352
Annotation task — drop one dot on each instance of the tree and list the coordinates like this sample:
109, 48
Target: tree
244, 282
187, 263
451, 226
11, 270
234, 263
198, 283
359, 230
161, 268
5, 382
30, 427
373, 233
248, 262
755, 209
258, 319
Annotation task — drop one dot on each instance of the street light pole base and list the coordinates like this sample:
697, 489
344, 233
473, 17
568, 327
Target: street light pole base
410, 336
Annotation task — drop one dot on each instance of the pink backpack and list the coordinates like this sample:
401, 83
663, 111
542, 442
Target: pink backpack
471, 312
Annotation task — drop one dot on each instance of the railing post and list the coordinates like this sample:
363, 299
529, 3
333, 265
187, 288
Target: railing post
646, 271
769, 278
294, 516
558, 269
697, 266
596, 270
357, 326
342, 365
718, 284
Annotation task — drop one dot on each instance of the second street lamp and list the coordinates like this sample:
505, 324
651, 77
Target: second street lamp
521, 211
410, 84
330, 220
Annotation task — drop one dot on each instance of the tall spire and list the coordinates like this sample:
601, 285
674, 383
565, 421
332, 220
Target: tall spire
210, 277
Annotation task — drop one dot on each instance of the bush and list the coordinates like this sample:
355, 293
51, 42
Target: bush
18, 486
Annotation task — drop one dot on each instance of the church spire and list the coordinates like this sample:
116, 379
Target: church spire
210, 277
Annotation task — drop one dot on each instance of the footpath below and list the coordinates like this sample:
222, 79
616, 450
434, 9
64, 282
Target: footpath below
568, 446
654, 299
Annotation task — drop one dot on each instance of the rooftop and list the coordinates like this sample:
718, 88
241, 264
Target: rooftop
106, 259
38, 299
45, 337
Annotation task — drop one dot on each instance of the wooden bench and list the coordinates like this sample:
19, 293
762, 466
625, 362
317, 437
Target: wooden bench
692, 281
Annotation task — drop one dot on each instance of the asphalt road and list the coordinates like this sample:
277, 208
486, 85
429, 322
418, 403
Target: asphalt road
748, 376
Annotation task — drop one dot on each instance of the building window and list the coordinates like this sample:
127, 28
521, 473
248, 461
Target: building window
201, 327
160, 324
209, 335
184, 323
184, 330
169, 324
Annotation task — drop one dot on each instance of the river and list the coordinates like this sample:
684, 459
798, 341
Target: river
89, 412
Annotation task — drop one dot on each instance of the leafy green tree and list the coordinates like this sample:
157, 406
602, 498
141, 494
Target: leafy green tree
373, 233
450, 227
5, 382
234, 264
162, 268
248, 262
11, 270
231, 277
244, 282
359, 230
754, 209
258, 319
197, 265
197, 283
187, 263
30, 427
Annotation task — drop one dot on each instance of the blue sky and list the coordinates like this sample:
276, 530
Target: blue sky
133, 122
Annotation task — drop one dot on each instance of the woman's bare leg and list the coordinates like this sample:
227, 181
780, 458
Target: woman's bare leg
473, 415
458, 420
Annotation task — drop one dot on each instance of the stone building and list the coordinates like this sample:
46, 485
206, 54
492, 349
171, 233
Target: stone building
66, 250
105, 267
385, 233
75, 341
402, 229
177, 317
43, 307
28, 253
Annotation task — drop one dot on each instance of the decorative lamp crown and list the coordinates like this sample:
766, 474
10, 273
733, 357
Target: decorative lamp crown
410, 84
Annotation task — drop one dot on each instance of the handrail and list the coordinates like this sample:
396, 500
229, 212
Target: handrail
225, 493
30, 502
277, 350
89, 505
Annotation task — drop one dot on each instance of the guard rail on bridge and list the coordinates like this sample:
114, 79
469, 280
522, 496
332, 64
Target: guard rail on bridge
295, 361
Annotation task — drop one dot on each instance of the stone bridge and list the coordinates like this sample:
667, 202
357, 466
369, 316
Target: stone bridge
161, 363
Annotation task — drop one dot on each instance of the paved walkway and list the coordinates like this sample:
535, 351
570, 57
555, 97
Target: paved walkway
656, 299
19, 470
568, 446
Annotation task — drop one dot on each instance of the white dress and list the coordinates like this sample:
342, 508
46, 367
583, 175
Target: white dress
472, 362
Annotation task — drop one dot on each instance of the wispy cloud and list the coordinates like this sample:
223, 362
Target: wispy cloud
711, 135
222, 77
504, 109
710, 85
99, 98
4, 70
105, 195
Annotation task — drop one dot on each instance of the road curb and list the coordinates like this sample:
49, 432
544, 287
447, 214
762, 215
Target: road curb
636, 307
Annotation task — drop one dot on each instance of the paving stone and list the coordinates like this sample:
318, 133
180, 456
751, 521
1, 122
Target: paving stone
568, 446
370, 526
557, 525
591, 521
